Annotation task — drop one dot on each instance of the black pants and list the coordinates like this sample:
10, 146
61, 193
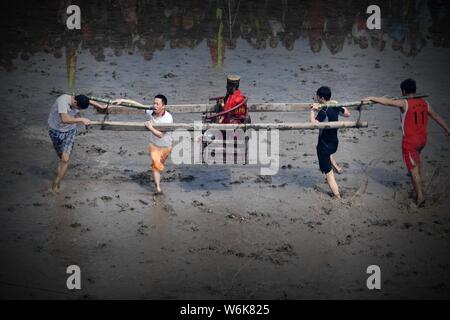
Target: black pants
324, 152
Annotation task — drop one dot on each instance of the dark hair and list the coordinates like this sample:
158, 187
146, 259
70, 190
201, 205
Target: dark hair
162, 97
408, 86
324, 92
82, 101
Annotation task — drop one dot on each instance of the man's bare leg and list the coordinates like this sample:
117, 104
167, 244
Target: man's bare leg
333, 184
336, 168
157, 180
421, 170
62, 169
417, 184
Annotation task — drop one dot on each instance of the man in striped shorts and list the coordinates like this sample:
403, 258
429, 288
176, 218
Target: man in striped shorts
62, 123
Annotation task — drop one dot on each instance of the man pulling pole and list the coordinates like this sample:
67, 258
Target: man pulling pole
328, 139
414, 115
160, 145
62, 123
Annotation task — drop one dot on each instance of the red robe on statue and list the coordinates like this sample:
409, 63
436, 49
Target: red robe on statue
238, 115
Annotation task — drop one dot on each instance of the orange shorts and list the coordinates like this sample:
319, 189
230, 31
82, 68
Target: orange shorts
158, 155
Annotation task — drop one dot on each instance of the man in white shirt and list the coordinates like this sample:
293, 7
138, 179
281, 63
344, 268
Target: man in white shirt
160, 145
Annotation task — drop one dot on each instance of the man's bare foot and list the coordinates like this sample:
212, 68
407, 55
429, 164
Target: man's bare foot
55, 188
420, 201
334, 196
158, 191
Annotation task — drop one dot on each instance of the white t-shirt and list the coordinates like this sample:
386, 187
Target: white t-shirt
166, 140
62, 105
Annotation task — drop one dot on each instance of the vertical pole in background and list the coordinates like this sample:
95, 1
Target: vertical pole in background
71, 65
219, 38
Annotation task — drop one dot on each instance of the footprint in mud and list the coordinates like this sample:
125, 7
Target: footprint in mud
263, 179
207, 194
75, 225
278, 255
312, 224
92, 203
406, 226
237, 217
106, 198
95, 149
122, 152
327, 211
381, 223
347, 241
142, 229
405, 199
142, 178
169, 209
124, 207
322, 193
169, 75
198, 204
188, 225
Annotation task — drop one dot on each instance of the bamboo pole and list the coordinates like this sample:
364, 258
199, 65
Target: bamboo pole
124, 104
181, 108
253, 107
139, 126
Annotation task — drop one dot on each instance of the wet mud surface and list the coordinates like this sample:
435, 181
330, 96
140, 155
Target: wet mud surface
222, 232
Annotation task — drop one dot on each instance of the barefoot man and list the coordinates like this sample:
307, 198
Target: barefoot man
160, 145
414, 116
328, 139
62, 123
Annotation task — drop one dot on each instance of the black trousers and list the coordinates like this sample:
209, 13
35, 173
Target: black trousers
324, 152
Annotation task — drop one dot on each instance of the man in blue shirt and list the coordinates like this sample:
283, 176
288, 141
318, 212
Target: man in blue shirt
328, 139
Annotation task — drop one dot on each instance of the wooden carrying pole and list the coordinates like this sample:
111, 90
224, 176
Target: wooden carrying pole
252, 107
128, 108
139, 126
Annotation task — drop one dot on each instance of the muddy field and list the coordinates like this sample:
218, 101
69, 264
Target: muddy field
223, 232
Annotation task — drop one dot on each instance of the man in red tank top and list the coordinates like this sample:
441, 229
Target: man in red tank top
414, 116
414, 125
